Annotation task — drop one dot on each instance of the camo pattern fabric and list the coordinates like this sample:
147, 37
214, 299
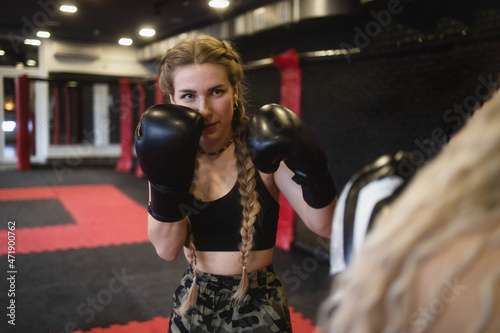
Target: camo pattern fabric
264, 308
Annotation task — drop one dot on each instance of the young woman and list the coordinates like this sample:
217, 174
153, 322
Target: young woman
208, 198
431, 262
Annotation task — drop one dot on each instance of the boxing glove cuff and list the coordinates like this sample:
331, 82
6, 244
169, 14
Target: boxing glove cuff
168, 205
321, 194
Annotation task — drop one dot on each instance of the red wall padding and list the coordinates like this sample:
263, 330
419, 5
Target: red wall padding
22, 119
290, 97
126, 132
142, 107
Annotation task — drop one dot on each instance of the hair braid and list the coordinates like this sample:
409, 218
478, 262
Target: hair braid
193, 290
250, 204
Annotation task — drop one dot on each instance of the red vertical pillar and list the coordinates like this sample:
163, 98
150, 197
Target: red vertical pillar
159, 98
290, 97
55, 137
75, 101
32, 133
22, 119
126, 132
67, 116
142, 107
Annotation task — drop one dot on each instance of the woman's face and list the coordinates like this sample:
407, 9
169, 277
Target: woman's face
205, 88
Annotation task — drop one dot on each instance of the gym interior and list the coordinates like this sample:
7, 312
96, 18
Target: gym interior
368, 78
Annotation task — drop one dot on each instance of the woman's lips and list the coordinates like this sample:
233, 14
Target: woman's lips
209, 127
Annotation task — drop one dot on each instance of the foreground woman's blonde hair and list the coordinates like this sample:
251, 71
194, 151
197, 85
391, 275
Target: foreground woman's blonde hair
432, 263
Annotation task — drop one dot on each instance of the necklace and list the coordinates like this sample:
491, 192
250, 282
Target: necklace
220, 150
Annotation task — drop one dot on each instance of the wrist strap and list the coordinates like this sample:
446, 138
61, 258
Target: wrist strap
321, 194
169, 206
160, 218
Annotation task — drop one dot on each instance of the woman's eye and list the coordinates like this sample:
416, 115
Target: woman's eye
218, 92
187, 96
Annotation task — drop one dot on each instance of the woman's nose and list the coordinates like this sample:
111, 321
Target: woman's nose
204, 108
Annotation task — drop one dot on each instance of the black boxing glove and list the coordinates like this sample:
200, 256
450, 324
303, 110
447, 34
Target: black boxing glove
166, 142
276, 134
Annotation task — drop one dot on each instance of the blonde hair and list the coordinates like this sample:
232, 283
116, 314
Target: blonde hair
205, 49
453, 201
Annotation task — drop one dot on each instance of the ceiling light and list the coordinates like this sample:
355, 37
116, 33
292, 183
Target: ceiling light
2, 52
43, 34
218, 3
125, 41
31, 63
68, 9
34, 42
9, 102
147, 32
8, 126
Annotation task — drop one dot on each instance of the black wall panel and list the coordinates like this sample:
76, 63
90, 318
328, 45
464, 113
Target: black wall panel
411, 86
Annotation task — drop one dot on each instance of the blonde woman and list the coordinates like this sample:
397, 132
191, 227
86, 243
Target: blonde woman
431, 264
213, 200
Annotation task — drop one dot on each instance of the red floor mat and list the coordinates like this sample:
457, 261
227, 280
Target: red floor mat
160, 325
104, 216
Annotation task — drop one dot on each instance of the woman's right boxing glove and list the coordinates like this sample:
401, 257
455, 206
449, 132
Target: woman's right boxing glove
275, 134
166, 141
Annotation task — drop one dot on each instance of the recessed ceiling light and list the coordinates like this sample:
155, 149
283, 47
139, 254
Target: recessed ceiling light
9, 103
125, 41
218, 3
43, 34
2, 52
34, 42
147, 32
68, 8
8, 125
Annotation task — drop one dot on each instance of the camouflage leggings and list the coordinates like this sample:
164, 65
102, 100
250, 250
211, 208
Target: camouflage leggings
264, 308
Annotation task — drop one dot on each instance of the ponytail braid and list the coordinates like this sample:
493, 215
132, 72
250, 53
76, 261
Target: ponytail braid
193, 290
249, 202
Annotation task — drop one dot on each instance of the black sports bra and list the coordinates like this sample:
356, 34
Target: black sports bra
216, 227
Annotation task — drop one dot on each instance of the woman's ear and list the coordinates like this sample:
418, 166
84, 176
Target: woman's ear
235, 93
171, 98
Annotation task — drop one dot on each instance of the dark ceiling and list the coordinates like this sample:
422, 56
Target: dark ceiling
106, 21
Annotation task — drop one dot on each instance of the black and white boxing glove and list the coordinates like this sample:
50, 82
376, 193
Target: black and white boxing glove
166, 142
368, 192
275, 134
